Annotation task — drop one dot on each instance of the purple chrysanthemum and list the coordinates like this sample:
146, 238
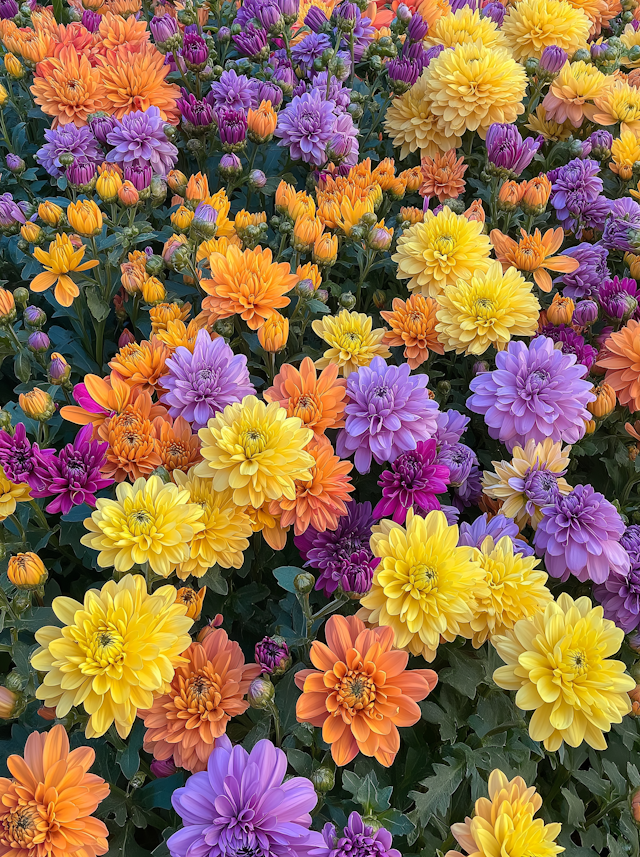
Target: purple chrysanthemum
472, 535
233, 91
451, 425
389, 411
458, 459
618, 298
201, 384
338, 92
252, 42
362, 36
196, 112
67, 139
571, 343
139, 139
272, 654
353, 574
620, 593
576, 186
591, 271
507, 150
20, 459
307, 124
535, 392
73, 476
11, 212
357, 840
579, 534
470, 492
309, 49
240, 806
414, 480
622, 228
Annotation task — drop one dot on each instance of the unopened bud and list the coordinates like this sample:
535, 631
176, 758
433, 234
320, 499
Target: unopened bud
261, 693
304, 582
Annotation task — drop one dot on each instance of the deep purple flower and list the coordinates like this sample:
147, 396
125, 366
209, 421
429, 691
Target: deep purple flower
389, 411
575, 188
594, 215
470, 492
622, 228
73, 476
591, 271
102, 125
472, 535
81, 172
357, 840
67, 139
620, 593
458, 459
272, 654
535, 392
205, 382
618, 298
234, 91
404, 71
496, 12
139, 175
269, 16
19, 458
241, 806
451, 425
196, 112
585, 313
252, 42
139, 139
571, 343
8, 9
414, 480
552, 60
353, 574
268, 91
309, 49
161, 768
232, 128
507, 150
163, 28
418, 28
315, 19
194, 51
579, 535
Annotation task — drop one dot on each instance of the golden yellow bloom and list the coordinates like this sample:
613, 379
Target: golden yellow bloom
31, 232
444, 248
570, 94
192, 600
244, 219
619, 103
486, 311
37, 404
625, 151
425, 587
629, 39
4, 95
27, 571
50, 213
532, 25
11, 493
274, 333
465, 25
306, 231
178, 333
539, 123
14, 67
561, 310
559, 663
85, 217
544, 463
108, 184
472, 86
226, 527
346, 213
181, 219
115, 653
148, 522
162, 314
310, 271
504, 824
352, 341
153, 291
256, 450
325, 250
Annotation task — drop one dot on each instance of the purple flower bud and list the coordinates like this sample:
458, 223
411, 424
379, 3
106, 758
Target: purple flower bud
585, 313
194, 51
598, 50
459, 459
404, 71
286, 77
417, 29
261, 693
267, 91
59, 370
495, 12
552, 60
91, 20
347, 14
197, 112
38, 342
102, 125
34, 316
272, 655
81, 173
257, 179
224, 34
338, 147
289, 9
15, 164
600, 143
162, 767
230, 166
618, 298
8, 9
316, 19
232, 127
322, 295
139, 175
204, 220
163, 28
269, 15
253, 42
481, 366
507, 151
403, 13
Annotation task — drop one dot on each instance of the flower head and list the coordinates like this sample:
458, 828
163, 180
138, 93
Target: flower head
507, 151
622, 363
534, 254
413, 481
233, 90
11, 494
352, 341
620, 592
591, 271
113, 653
68, 87
139, 139
141, 365
442, 176
575, 188
360, 691
308, 123
532, 25
134, 81
20, 459
67, 139
473, 535
413, 324
59, 261
318, 400
357, 838
466, 24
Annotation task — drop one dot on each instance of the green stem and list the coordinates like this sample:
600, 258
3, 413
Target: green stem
606, 809
20, 529
276, 722
40, 516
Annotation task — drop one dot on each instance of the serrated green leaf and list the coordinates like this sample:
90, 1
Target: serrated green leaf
214, 581
464, 674
371, 796
575, 808
439, 789
98, 308
396, 822
593, 782
618, 781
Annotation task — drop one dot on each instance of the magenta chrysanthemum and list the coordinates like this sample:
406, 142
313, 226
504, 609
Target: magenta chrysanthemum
414, 480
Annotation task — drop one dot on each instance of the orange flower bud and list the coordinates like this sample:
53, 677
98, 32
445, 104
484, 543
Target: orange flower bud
47, 713
261, 123
244, 219
589, 426
635, 701
536, 195
181, 219
37, 404
634, 802
50, 213
177, 181
510, 195
413, 179
605, 401
475, 212
301, 204
216, 622
10, 703
192, 600
561, 310
85, 217
153, 291
285, 194
31, 232
634, 264
411, 214
27, 571
306, 231
7, 306
397, 188
197, 190
108, 184
325, 250
132, 278
14, 67
128, 194
274, 333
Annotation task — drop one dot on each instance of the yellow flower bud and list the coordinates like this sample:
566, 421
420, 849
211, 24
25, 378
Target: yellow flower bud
50, 213
31, 232
285, 194
192, 600
589, 426
325, 250
108, 184
7, 306
306, 231
301, 204
37, 404
85, 217
14, 67
605, 401
181, 219
27, 571
274, 333
4, 96
153, 291
9, 703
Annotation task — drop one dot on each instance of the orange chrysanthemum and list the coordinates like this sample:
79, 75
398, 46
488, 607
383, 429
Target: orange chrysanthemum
177, 446
319, 401
142, 365
262, 521
101, 398
68, 88
45, 808
532, 254
124, 7
135, 80
622, 362
249, 284
442, 176
361, 691
32, 45
115, 30
133, 446
206, 692
475, 212
162, 314
75, 35
413, 324
320, 502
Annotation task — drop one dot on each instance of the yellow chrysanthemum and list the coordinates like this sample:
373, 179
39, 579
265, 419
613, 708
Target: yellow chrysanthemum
620, 103
115, 653
472, 86
352, 341
572, 93
413, 126
533, 25
444, 248
256, 450
486, 311
148, 522
504, 823
516, 590
425, 587
550, 130
559, 663
625, 151
630, 38
533, 472
226, 527
11, 493
466, 25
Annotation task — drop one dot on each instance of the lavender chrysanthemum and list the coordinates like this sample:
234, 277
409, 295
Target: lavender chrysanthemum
414, 480
458, 459
357, 840
389, 411
620, 593
571, 343
470, 492
67, 139
308, 50
20, 459
591, 271
139, 139
507, 150
472, 535
575, 188
362, 36
622, 227
618, 298
233, 91
240, 806
201, 384
535, 392
307, 124
451, 425
73, 476
579, 534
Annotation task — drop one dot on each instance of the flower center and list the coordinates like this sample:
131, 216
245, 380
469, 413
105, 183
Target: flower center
200, 694
445, 245
20, 827
350, 341
356, 692
421, 579
140, 522
577, 659
106, 647
253, 442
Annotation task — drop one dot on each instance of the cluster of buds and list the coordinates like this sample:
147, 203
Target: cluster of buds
531, 196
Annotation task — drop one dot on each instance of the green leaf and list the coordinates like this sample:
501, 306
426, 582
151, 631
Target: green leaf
575, 814
97, 307
261, 730
22, 366
285, 575
618, 781
439, 790
58, 10
315, 306
464, 674
214, 581
300, 762
596, 785
157, 794
371, 796
36, 619
396, 822
616, 847
129, 760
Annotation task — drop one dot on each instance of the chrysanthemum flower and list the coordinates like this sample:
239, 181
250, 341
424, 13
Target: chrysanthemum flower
11, 493
318, 400
132, 445
257, 451
59, 261
113, 654
352, 341
504, 824
426, 587
622, 363
464, 25
226, 527
412, 124
205, 693
413, 324
438, 252
533, 254
620, 102
629, 38
532, 479
68, 88
532, 25
100, 398
180, 334
559, 663
625, 151
117, 30
46, 806
177, 446
360, 691
489, 310
599, 13
141, 365
472, 86
442, 176
571, 95
135, 80
249, 284
413, 481
162, 314
552, 131
148, 522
